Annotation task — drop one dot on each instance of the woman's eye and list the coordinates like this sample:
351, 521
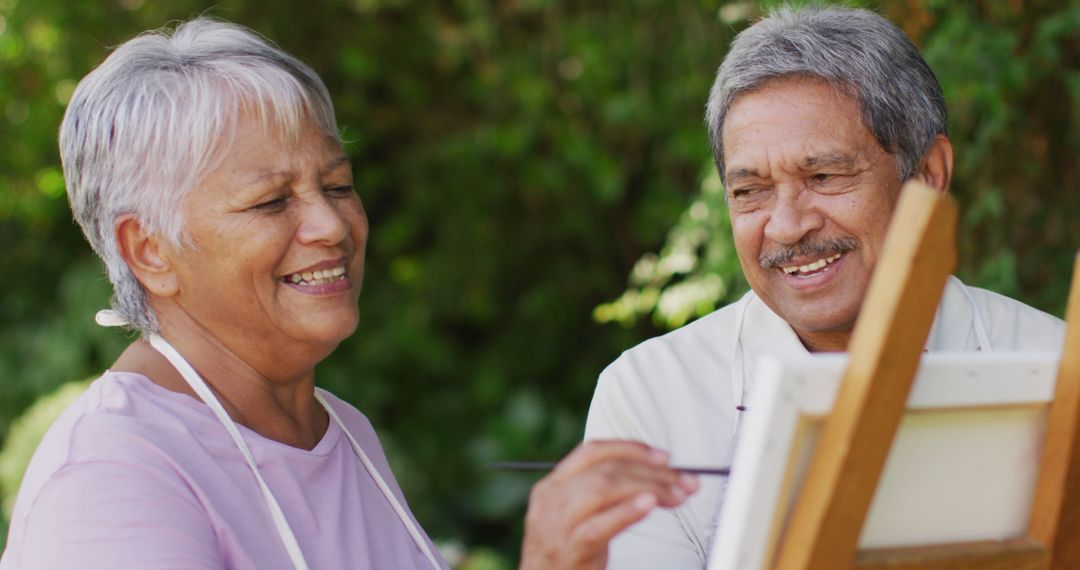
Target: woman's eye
274, 205
342, 190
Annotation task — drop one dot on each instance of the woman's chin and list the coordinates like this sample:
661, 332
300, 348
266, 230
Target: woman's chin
332, 334
325, 330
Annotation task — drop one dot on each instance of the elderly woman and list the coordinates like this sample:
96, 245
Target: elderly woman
206, 170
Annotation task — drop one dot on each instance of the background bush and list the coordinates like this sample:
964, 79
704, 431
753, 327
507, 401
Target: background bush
541, 198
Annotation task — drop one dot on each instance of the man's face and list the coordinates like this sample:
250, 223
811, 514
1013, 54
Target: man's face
811, 193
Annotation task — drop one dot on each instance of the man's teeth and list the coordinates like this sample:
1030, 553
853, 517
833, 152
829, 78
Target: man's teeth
322, 277
804, 269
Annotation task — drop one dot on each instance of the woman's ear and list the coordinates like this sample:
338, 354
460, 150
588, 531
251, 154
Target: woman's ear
936, 168
148, 256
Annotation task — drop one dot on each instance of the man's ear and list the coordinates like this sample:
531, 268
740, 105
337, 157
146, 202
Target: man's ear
148, 256
936, 168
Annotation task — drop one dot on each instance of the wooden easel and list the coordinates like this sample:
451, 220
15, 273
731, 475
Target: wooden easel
828, 516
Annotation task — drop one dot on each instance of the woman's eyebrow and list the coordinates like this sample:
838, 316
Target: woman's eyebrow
336, 163
265, 175
262, 176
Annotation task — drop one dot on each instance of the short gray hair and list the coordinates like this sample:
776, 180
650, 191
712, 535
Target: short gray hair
152, 120
855, 50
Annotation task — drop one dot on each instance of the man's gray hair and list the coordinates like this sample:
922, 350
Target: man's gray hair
857, 51
154, 119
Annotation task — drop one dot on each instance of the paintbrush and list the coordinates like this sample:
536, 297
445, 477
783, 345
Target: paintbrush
547, 466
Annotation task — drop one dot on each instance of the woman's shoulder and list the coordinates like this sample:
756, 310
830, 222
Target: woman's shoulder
120, 422
107, 465
121, 416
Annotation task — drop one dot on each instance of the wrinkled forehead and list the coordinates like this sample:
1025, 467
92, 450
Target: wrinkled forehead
795, 90
800, 122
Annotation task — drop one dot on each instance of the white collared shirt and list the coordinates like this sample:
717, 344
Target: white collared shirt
679, 392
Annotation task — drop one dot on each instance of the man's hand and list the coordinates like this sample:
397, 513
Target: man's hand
599, 489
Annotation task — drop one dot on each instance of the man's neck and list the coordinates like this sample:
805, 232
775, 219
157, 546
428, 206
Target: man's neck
828, 341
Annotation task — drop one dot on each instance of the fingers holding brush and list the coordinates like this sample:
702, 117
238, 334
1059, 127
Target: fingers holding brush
598, 490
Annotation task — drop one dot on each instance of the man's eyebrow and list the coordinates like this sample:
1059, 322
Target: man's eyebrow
740, 174
829, 160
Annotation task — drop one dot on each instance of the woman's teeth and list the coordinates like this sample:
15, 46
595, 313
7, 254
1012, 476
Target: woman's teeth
322, 277
811, 267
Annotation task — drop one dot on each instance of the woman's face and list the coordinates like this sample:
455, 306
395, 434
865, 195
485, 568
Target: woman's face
279, 236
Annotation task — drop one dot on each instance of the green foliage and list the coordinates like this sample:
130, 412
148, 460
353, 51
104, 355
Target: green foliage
485, 559
696, 271
518, 159
481, 558
58, 342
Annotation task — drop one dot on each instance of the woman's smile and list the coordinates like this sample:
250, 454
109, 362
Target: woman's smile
324, 278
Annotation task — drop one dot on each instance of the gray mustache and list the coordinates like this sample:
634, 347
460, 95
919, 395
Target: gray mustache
822, 248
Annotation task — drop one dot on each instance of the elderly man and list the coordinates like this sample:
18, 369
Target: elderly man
817, 117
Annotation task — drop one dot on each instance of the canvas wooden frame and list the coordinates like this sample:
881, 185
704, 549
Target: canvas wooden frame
984, 416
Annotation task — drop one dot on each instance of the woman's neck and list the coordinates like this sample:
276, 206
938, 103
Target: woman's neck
282, 408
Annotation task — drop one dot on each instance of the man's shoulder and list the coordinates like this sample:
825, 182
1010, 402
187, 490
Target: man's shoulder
1002, 306
672, 391
707, 340
1014, 325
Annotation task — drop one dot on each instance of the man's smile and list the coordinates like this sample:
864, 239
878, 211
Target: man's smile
812, 267
808, 255
810, 277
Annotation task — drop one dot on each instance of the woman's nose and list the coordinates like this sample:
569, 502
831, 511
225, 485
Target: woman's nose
322, 222
792, 217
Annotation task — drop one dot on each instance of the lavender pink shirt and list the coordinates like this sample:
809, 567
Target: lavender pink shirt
135, 476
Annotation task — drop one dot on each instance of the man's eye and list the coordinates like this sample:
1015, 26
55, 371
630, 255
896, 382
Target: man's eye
748, 199
822, 177
746, 193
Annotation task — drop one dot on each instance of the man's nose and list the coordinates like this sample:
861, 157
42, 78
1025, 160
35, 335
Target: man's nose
322, 221
793, 216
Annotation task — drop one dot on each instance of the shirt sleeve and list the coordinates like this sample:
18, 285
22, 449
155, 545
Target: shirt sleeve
659, 540
104, 514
